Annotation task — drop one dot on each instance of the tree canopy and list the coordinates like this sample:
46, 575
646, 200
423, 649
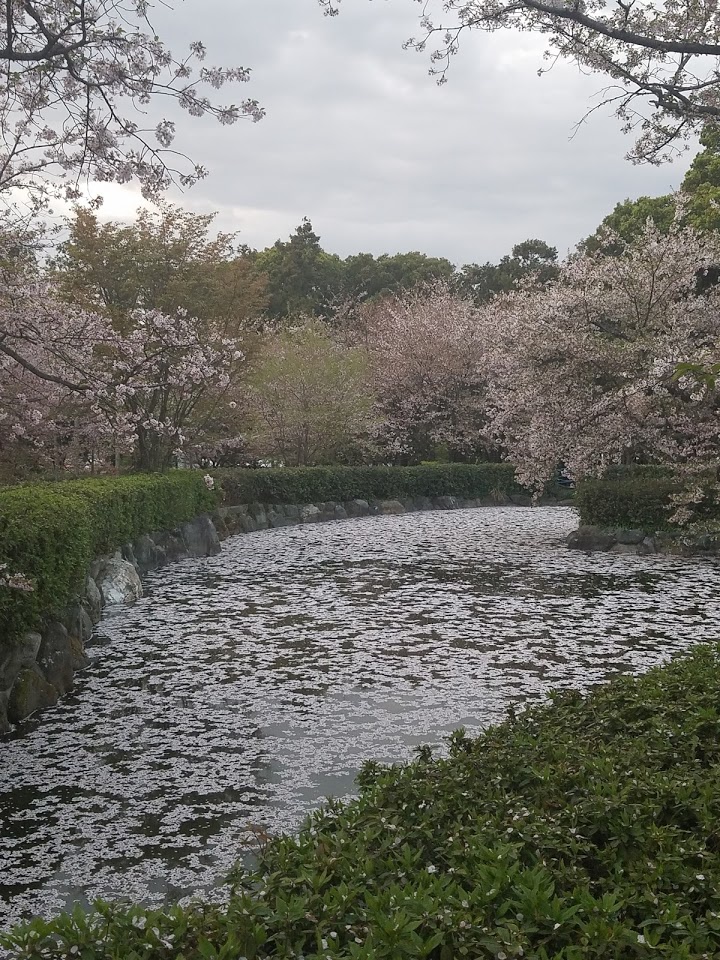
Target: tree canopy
166, 260
697, 203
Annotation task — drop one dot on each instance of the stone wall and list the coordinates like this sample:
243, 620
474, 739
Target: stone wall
246, 518
640, 542
38, 670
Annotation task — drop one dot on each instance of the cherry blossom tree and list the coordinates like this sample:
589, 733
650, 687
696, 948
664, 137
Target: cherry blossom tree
71, 385
588, 369
82, 79
427, 357
661, 61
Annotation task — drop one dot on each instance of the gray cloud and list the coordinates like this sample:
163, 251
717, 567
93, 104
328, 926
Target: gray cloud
362, 141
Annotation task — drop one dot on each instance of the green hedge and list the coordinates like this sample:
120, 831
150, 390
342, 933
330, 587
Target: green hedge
586, 829
51, 531
637, 503
320, 484
46, 536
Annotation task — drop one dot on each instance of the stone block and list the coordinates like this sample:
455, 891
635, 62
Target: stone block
30, 692
118, 581
591, 538
623, 535
200, 537
94, 599
148, 556
390, 507
56, 657
77, 621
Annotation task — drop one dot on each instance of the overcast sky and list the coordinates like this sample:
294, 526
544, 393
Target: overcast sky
362, 141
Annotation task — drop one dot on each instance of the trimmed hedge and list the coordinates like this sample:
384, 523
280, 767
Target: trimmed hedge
586, 829
633, 502
46, 536
51, 531
320, 484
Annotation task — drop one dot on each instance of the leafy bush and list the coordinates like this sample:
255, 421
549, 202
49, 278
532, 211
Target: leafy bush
51, 531
642, 502
46, 536
582, 829
123, 508
320, 484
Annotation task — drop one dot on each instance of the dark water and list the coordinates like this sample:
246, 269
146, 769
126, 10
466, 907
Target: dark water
245, 688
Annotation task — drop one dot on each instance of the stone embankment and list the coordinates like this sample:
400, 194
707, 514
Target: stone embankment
640, 542
246, 518
38, 670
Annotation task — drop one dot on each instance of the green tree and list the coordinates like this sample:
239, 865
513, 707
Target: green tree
529, 259
369, 277
308, 401
302, 277
165, 260
699, 195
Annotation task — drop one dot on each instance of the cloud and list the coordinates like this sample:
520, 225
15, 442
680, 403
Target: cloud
360, 139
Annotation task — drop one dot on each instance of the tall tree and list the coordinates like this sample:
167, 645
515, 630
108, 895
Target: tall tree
308, 399
584, 370
166, 260
367, 277
302, 278
427, 359
661, 60
531, 259
697, 203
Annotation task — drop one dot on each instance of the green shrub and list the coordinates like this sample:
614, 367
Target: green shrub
46, 536
51, 531
123, 508
642, 503
320, 484
583, 829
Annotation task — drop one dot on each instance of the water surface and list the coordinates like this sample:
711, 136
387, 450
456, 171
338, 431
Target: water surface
244, 688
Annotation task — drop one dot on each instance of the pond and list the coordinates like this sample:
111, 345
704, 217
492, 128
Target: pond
243, 689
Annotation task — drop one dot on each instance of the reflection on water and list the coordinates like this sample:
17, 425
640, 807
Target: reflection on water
244, 688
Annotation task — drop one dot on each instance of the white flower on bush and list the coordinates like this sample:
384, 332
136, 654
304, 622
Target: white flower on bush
14, 581
209, 482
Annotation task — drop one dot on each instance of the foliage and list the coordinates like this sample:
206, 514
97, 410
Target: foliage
368, 278
628, 221
301, 277
581, 829
661, 61
45, 535
697, 203
308, 399
642, 503
583, 370
166, 260
51, 532
529, 260
72, 68
123, 508
320, 484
